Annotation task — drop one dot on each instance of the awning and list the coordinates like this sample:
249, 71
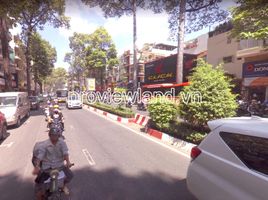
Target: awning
256, 81
166, 85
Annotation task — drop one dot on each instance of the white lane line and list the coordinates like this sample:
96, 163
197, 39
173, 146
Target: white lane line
143, 135
7, 145
88, 157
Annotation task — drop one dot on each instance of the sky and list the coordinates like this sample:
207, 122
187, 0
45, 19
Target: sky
151, 28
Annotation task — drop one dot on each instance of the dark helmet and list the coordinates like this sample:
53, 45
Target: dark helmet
54, 131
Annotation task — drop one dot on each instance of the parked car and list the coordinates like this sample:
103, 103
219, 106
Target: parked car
74, 101
15, 106
3, 126
35, 104
232, 161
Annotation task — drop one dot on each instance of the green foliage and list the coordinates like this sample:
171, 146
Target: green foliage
199, 14
91, 53
162, 111
120, 111
215, 89
57, 79
250, 19
43, 56
196, 137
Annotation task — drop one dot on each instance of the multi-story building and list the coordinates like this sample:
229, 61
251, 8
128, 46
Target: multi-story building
246, 60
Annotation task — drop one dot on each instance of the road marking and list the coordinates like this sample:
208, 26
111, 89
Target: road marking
71, 127
144, 135
7, 145
88, 157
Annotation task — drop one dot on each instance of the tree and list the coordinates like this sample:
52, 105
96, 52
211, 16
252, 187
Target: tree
34, 15
43, 56
101, 53
77, 58
250, 19
196, 14
56, 80
217, 100
91, 54
115, 8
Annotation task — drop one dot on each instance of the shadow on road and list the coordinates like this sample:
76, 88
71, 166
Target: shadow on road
104, 185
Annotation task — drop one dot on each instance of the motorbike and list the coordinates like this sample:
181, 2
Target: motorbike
255, 108
129, 105
141, 106
47, 112
53, 185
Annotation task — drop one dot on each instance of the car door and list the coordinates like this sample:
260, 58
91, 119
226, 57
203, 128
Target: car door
248, 181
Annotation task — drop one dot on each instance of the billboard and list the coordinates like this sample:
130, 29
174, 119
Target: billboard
91, 84
255, 69
164, 70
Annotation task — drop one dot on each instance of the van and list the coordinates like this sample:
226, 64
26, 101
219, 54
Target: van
15, 106
74, 100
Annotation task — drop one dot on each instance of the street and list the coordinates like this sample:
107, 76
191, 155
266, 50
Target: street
111, 162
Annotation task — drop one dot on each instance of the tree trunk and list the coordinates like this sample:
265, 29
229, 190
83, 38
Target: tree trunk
135, 81
5, 53
179, 76
28, 62
41, 87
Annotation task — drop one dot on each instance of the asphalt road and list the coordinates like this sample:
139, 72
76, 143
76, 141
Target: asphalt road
111, 162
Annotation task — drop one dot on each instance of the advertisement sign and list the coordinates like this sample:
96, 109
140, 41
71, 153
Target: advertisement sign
164, 70
255, 69
91, 85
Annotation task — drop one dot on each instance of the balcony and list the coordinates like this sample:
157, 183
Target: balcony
249, 48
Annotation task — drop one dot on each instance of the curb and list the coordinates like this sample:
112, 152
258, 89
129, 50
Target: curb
109, 115
181, 144
141, 119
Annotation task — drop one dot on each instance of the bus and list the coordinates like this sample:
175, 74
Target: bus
62, 95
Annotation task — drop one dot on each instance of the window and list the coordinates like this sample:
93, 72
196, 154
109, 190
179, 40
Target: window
227, 59
251, 150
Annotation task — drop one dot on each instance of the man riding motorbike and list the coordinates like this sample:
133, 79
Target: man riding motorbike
50, 155
56, 115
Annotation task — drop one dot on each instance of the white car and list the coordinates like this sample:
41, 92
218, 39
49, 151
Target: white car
74, 101
231, 163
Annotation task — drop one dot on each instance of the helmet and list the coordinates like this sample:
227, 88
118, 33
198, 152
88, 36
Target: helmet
56, 111
54, 131
56, 106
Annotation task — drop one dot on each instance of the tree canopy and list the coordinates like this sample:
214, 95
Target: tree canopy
91, 53
43, 56
250, 19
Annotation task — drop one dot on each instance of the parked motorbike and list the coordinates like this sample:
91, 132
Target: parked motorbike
141, 106
53, 185
255, 108
129, 105
243, 108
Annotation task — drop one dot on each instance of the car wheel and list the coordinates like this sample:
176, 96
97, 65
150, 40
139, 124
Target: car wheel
18, 122
4, 132
28, 114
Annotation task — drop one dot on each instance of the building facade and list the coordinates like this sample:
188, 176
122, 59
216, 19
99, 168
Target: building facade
246, 60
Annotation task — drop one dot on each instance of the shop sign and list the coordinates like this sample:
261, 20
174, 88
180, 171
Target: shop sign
255, 69
164, 70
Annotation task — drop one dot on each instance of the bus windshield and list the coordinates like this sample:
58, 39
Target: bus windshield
62, 93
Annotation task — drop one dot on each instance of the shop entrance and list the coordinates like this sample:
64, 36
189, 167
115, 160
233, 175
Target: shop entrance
259, 91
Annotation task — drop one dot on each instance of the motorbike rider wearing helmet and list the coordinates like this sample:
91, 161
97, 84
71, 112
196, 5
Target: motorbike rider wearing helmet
51, 153
56, 114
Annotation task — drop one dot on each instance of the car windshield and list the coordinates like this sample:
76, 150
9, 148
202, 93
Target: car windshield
8, 101
73, 97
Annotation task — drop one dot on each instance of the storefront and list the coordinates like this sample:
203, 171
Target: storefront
255, 79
